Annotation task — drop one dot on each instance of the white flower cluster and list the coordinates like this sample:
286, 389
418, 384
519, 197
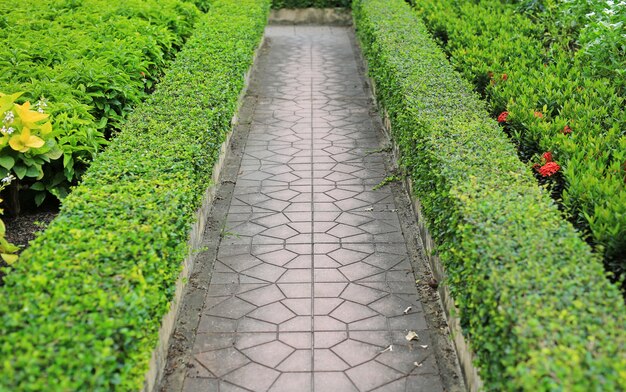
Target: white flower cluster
7, 131
7, 180
8, 117
41, 104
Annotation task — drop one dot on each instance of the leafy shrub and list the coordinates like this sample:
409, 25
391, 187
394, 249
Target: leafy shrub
310, 3
7, 250
82, 308
27, 142
581, 103
533, 299
92, 64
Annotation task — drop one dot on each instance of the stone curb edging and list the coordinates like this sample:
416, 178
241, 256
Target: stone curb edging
462, 345
324, 16
158, 359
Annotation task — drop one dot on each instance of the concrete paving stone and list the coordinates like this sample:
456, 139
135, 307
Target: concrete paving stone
245, 340
312, 276
362, 271
301, 341
324, 360
356, 353
296, 324
299, 306
196, 370
375, 323
200, 385
270, 354
222, 362
300, 262
371, 375
263, 295
290, 382
275, 313
377, 338
328, 323
298, 361
328, 290
212, 341
325, 261
278, 257
333, 381
328, 339
253, 376
362, 294
265, 272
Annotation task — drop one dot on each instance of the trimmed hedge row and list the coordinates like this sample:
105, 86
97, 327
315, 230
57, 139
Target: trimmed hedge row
310, 3
559, 99
534, 301
82, 309
91, 64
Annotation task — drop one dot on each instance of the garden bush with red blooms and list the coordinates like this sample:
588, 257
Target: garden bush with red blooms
565, 92
532, 297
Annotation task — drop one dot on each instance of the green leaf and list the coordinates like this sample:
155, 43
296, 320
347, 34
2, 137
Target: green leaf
35, 172
54, 153
20, 171
38, 186
9, 258
7, 162
40, 197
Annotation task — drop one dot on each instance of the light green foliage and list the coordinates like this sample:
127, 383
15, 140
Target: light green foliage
82, 308
93, 61
26, 138
533, 299
7, 250
535, 43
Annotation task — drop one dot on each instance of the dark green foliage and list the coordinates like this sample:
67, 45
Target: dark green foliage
93, 61
568, 66
534, 301
82, 308
310, 3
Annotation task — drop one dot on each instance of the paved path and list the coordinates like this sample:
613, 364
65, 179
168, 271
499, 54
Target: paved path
312, 275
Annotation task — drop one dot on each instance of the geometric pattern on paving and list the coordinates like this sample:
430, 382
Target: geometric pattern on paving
312, 275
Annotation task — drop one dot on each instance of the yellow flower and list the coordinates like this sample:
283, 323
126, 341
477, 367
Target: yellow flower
29, 117
25, 141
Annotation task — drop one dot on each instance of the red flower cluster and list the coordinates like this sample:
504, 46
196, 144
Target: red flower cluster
549, 166
567, 130
538, 114
505, 76
503, 116
547, 156
549, 169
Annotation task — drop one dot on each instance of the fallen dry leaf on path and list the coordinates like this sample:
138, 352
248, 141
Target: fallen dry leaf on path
390, 348
412, 335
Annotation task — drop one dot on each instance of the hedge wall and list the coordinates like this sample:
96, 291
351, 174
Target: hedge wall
534, 300
82, 308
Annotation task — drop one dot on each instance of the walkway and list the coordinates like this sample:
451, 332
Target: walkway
313, 288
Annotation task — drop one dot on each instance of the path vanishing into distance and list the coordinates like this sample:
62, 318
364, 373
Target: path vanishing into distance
306, 281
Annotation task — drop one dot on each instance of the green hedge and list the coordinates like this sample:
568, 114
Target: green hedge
92, 64
534, 300
563, 61
310, 3
82, 309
